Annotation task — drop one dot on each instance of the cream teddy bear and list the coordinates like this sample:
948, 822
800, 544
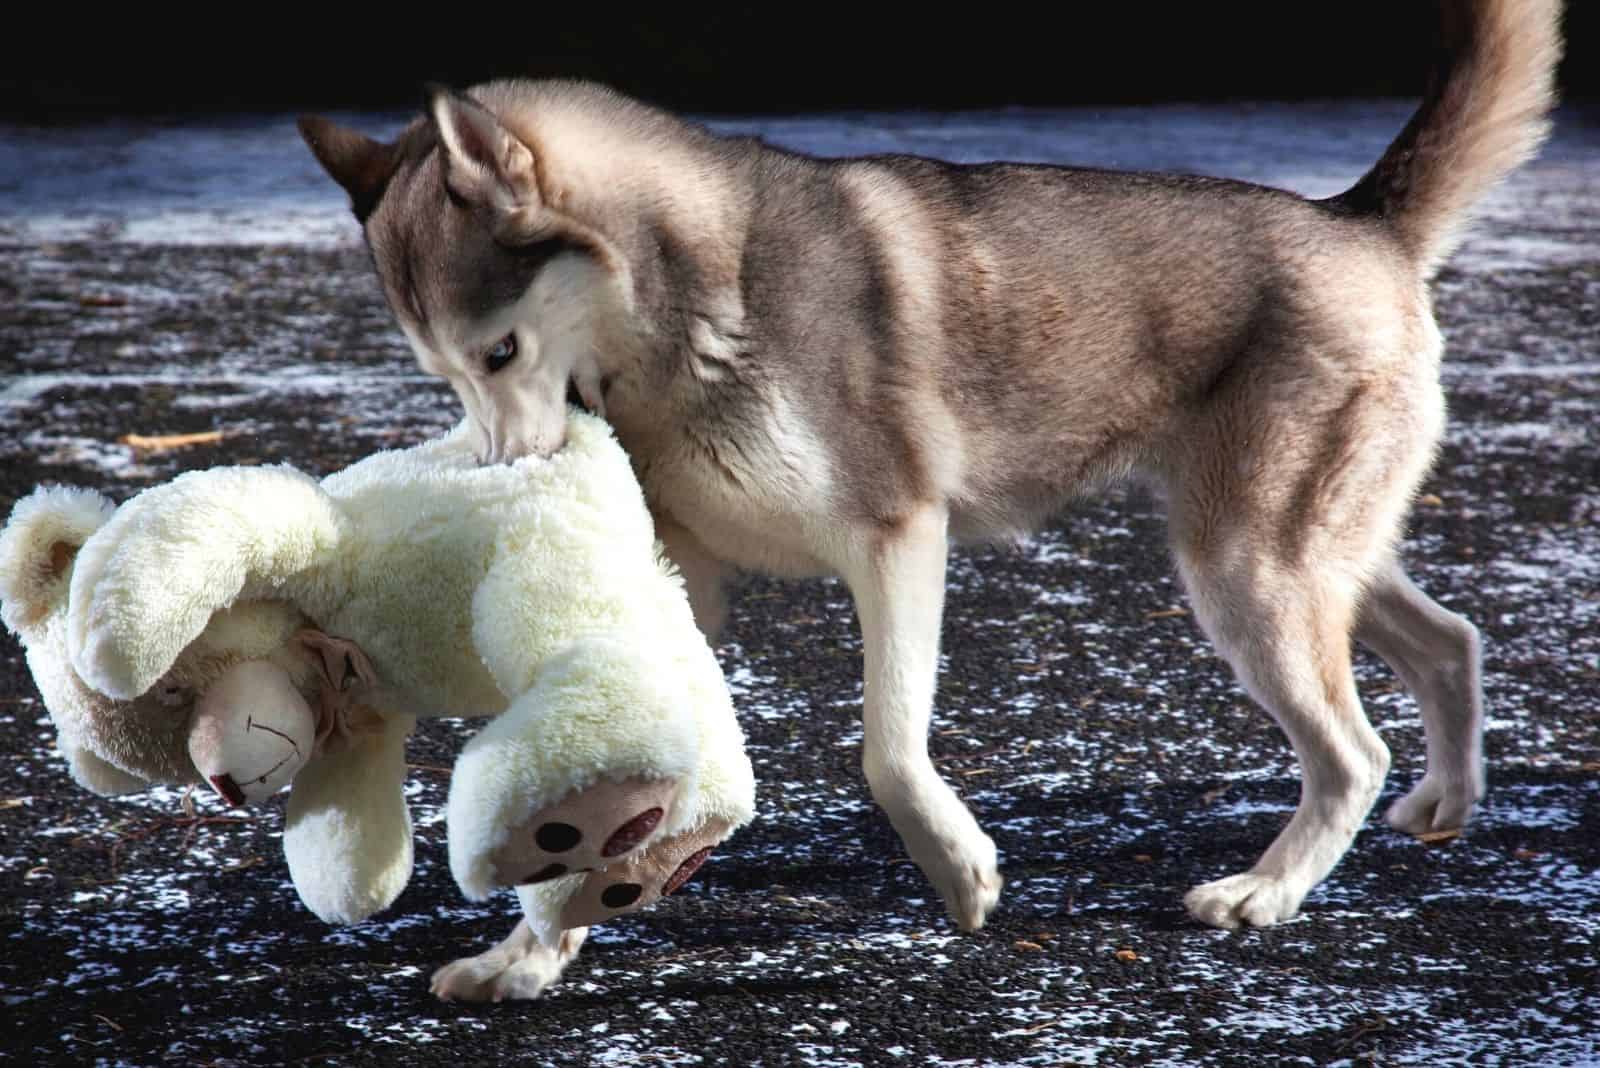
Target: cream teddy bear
254, 628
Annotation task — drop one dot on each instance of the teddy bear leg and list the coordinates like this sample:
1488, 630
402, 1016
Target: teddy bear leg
519, 968
347, 833
585, 830
599, 758
643, 879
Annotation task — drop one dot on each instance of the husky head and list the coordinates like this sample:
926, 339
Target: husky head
496, 289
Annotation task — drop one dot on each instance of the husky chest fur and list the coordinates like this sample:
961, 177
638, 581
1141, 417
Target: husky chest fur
841, 366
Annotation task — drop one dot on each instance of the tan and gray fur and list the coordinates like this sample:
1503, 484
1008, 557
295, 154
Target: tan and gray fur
844, 366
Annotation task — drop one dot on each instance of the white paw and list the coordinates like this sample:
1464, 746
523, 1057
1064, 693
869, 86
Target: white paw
1433, 806
504, 974
968, 879
1245, 900
489, 977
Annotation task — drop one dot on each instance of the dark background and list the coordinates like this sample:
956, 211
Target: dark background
758, 60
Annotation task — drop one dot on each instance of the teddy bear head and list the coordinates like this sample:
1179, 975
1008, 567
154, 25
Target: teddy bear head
122, 743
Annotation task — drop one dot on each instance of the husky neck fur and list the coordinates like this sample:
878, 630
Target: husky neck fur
832, 366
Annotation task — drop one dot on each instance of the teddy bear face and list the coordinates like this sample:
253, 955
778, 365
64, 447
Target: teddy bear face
151, 737
117, 745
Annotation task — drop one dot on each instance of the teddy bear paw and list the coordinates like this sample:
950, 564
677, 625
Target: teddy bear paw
643, 879
588, 829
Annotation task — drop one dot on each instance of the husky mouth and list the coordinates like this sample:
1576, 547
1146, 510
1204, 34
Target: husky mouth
574, 397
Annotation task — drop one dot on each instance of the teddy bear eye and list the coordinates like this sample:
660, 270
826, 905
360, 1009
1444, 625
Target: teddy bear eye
171, 695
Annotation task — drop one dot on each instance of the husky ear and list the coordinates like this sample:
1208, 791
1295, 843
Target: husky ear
357, 162
486, 165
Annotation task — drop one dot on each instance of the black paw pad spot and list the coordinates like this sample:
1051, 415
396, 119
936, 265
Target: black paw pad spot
621, 895
632, 833
545, 874
557, 837
690, 865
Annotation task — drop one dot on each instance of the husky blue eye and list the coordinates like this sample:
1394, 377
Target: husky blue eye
504, 351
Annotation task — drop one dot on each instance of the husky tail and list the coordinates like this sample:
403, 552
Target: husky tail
1485, 112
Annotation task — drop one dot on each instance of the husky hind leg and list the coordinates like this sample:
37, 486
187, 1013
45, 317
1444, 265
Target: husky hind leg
1285, 509
1436, 654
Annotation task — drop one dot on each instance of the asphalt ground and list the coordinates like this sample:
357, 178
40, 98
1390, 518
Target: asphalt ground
1080, 714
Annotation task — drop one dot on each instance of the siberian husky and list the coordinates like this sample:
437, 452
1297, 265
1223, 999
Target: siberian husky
842, 367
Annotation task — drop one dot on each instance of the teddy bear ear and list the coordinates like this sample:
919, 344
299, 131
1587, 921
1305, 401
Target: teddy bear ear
38, 546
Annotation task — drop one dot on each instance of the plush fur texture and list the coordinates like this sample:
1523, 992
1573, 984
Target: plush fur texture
534, 592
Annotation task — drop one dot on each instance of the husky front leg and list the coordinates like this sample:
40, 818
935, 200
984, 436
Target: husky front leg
897, 580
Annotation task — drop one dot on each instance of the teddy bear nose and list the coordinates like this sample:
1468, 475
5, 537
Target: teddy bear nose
252, 731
